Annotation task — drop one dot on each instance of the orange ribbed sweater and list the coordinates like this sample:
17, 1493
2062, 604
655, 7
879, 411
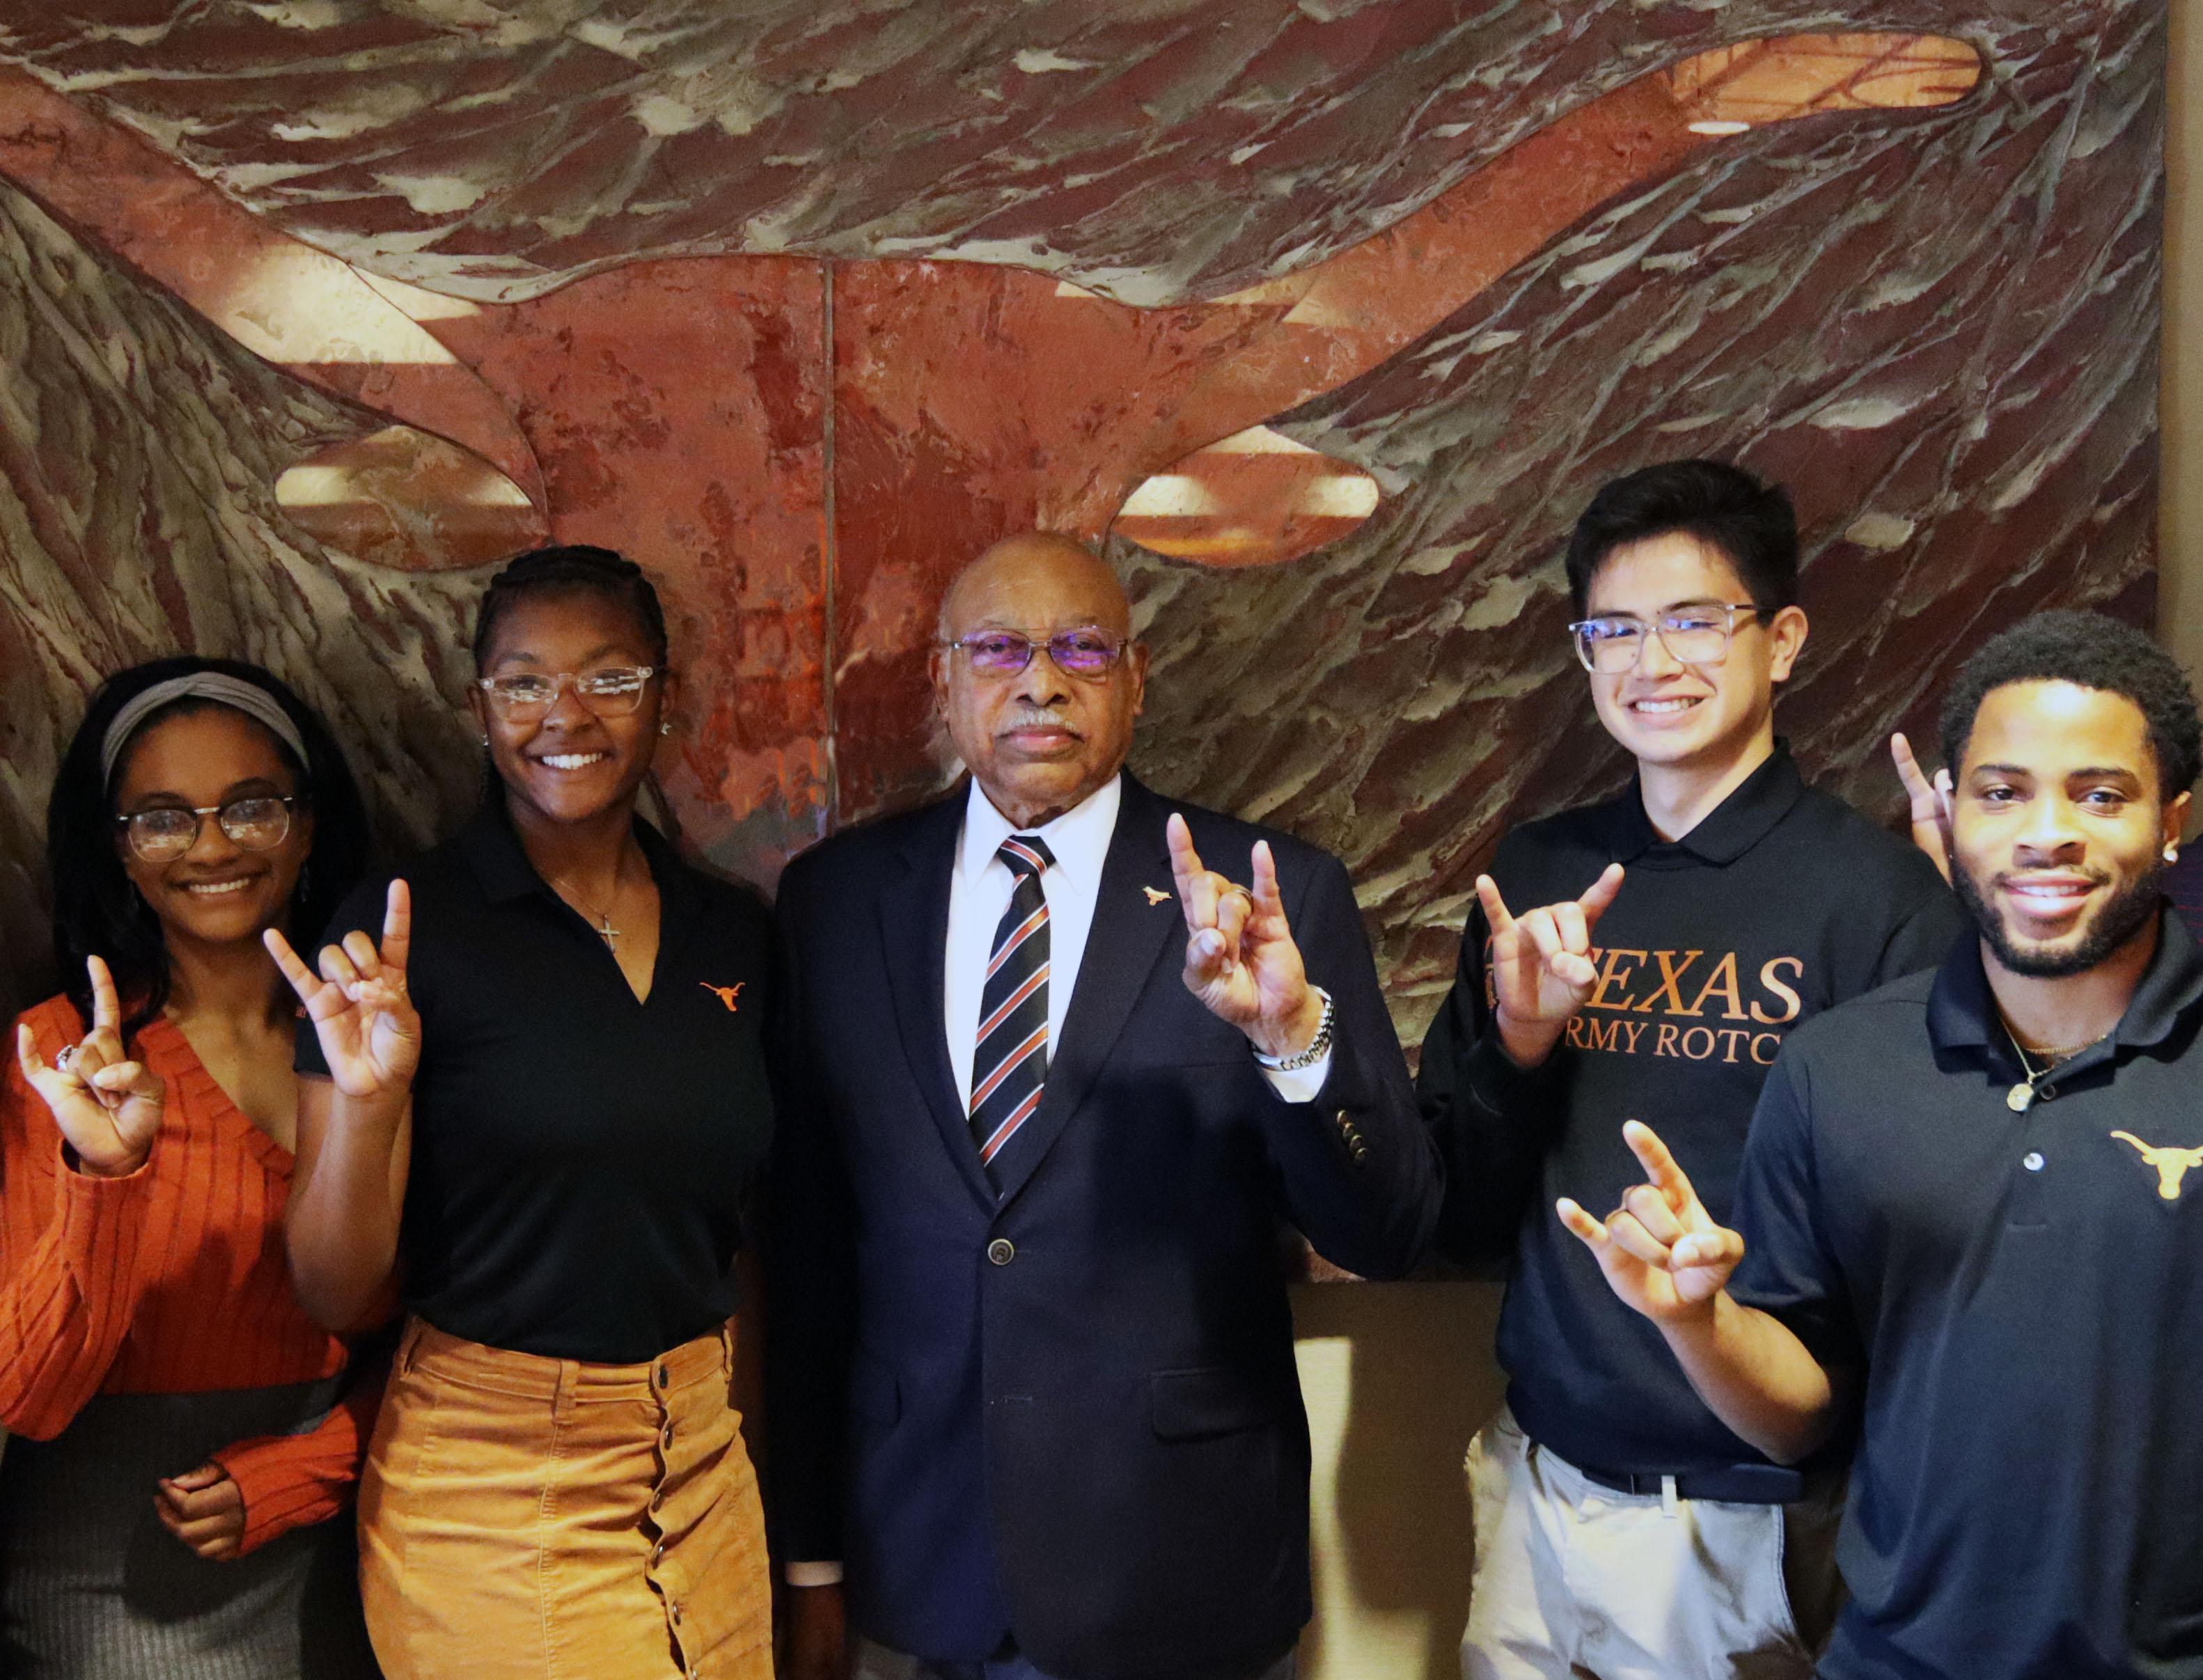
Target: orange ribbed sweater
171, 1280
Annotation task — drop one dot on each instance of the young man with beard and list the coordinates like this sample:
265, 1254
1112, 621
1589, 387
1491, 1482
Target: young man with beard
1622, 1529
1966, 1225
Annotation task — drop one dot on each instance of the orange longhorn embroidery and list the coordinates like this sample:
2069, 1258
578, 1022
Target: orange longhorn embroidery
2171, 1164
1155, 895
725, 995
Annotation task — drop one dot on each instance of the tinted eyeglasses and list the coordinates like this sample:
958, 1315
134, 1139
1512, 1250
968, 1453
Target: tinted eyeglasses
615, 691
259, 823
1087, 652
1697, 633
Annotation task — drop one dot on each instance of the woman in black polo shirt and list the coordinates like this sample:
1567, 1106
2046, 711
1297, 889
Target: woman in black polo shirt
531, 1109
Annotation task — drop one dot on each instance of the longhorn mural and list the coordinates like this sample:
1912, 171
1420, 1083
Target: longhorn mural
1326, 317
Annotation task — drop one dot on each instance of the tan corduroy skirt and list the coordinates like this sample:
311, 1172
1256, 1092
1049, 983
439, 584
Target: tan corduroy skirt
523, 1517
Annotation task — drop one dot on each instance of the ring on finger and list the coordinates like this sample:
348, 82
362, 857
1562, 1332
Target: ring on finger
67, 1055
1234, 890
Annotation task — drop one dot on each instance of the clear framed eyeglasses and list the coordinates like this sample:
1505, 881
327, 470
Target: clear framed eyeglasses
1697, 633
614, 691
259, 823
1087, 652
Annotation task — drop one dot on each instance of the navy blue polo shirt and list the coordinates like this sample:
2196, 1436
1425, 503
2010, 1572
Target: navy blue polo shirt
579, 1157
2024, 1293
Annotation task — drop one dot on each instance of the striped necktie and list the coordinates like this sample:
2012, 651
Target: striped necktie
1009, 1065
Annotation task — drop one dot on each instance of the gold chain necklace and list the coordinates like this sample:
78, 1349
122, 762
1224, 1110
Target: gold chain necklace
604, 929
2020, 1097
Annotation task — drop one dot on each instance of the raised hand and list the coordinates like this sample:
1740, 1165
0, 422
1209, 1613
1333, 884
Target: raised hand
369, 1032
1931, 804
1661, 1251
204, 1508
108, 1107
1240, 959
1541, 964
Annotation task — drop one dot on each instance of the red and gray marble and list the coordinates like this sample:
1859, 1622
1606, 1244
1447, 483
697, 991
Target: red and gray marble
801, 306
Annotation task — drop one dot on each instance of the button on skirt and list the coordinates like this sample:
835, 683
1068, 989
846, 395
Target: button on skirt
524, 1515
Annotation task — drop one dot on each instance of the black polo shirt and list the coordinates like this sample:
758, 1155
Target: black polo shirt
579, 1157
2023, 1291
1781, 903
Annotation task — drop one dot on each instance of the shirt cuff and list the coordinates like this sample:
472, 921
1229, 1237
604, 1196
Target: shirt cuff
1502, 1085
814, 1575
1302, 1085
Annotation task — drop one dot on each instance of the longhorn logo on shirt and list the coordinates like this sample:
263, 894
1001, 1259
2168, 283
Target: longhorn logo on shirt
725, 995
2171, 1164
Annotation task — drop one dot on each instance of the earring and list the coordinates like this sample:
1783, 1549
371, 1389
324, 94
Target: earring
2171, 853
666, 728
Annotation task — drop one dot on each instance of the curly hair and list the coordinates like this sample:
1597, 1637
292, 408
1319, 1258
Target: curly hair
98, 913
1751, 523
2093, 651
571, 568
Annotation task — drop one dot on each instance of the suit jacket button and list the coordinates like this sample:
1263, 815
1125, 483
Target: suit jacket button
1001, 1251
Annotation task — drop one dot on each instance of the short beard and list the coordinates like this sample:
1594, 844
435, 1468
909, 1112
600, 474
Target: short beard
2123, 916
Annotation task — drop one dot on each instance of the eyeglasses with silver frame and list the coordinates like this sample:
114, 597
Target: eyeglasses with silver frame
1694, 633
616, 691
1087, 651
162, 833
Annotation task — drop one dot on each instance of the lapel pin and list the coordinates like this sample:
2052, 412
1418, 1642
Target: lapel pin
1154, 896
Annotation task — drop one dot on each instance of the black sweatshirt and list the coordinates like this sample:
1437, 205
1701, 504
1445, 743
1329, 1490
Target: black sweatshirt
1781, 902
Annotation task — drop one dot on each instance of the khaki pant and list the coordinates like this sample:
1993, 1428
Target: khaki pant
1576, 1581
524, 1517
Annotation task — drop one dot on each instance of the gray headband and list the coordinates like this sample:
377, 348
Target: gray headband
238, 695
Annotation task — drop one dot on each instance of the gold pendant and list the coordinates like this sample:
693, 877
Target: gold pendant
2020, 1098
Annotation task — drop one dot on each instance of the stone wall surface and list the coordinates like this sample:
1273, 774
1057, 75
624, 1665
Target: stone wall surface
1941, 333
802, 304
138, 452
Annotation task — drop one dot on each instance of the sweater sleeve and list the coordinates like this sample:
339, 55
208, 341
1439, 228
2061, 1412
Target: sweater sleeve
1492, 1120
291, 1481
72, 1268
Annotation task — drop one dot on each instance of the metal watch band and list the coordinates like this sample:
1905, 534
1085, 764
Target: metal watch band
1317, 1050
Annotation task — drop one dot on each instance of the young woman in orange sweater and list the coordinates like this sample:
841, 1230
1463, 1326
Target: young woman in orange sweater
186, 1437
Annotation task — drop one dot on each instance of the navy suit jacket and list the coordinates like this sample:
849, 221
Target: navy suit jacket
1067, 1413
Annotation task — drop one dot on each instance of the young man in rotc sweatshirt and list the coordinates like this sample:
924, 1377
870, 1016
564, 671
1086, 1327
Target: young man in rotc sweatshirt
1658, 949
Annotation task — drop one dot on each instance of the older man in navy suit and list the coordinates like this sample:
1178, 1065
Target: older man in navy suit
1048, 1084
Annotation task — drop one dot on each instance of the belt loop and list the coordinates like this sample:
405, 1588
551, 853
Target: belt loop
1668, 1502
727, 1348
563, 1401
409, 1344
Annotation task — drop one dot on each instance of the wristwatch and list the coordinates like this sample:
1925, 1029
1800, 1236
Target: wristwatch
1319, 1047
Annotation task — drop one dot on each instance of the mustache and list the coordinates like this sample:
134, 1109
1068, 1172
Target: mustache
1032, 717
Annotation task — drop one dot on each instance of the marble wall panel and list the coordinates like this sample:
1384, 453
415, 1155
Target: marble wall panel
139, 454
1154, 151
803, 305
676, 411
1941, 333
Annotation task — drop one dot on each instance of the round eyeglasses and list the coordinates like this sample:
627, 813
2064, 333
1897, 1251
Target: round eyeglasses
259, 823
1696, 633
614, 691
1087, 652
